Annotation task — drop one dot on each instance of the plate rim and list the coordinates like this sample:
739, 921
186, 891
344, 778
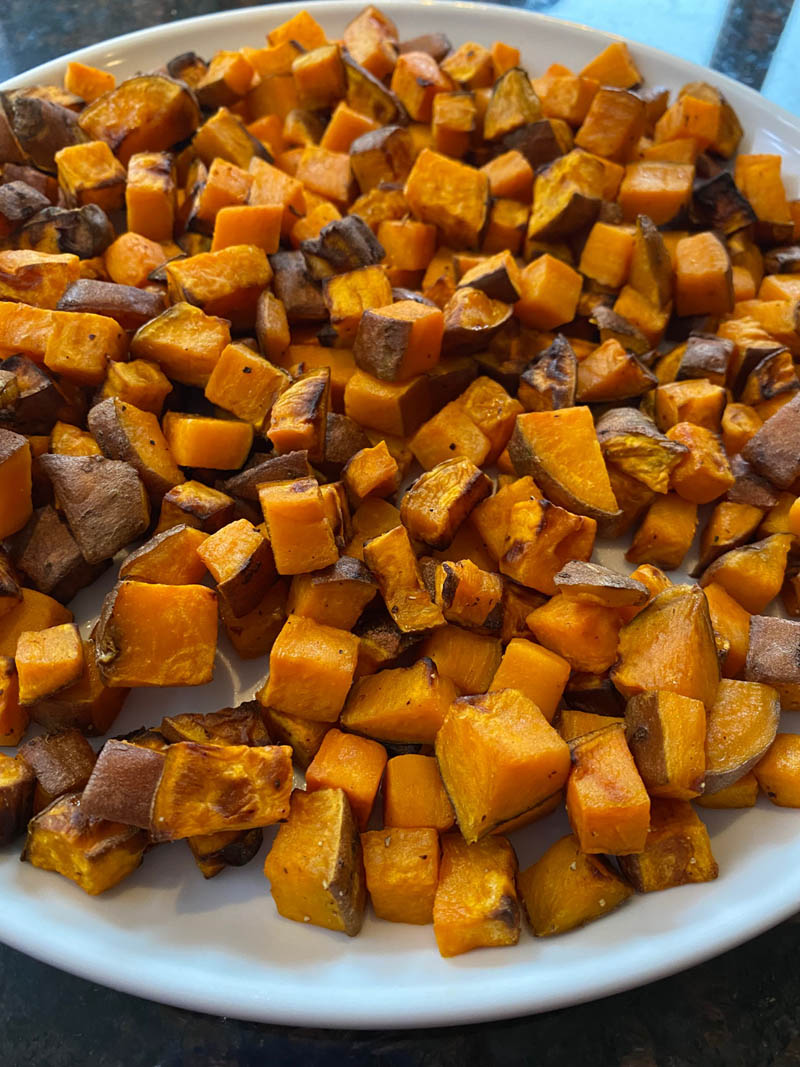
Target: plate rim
508, 999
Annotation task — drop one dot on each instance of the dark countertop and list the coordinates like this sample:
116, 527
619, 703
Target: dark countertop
739, 1010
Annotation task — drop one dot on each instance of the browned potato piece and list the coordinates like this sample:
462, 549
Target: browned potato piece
741, 725
17, 782
593, 693
670, 645
566, 888
730, 525
343, 245
706, 356
92, 852
40, 403
469, 596
472, 320
391, 559
126, 433
227, 848
717, 204
103, 500
551, 380
48, 555
343, 438
123, 784
298, 418
302, 735
368, 95
566, 197
666, 735
594, 584
294, 286
242, 725
40, 127
651, 269
678, 850
773, 451
148, 113
383, 155
127, 305
631, 441
206, 788
513, 104
196, 505
61, 762
315, 865
10, 595
437, 45
288, 467
773, 657
88, 704
335, 595
240, 561
441, 498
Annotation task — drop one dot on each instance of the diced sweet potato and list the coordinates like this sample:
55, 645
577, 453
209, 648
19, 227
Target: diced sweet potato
498, 757
607, 803
299, 529
240, 561
414, 795
468, 659
61, 761
772, 657
48, 661
311, 670
184, 341
666, 532
35, 611
561, 451
406, 705
124, 432
468, 595
753, 574
194, 504
666, 733
206, 788
476, 902
778, 773
16, 503
402, 873
677, 850
441, 498
391, 559
566, 888
123, 784
16, 797
450, 195
94, 853
315, 865
584, 634
176, 647
353, 764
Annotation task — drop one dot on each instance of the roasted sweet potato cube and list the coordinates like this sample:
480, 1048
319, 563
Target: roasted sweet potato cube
492, 516
48, 661
123, 784
683, 658
240, 560
41, 278
450, 195
593, 694
371, 39
575, 724
666, 532
566, 196
298, 416
124, 432
196, 505
771, 450
16, 797
778, 773
498, 757
49, 557
441, 498
372, 471
677, 850
742, 794
535, 671
303, 736
405, 705
36, 611
696, 401
87, 704
741, 725
512, 105
184, 341
550, 382
753, 574
450, 433
607, 804
319, 883
613, 124
169, 558
399, 341
772, 657
199, 441
631, 441
549, 292
81, 345
414, 795
16, 502
703, 472
567, 888
397, 408
139, 382
62, 763
391, 559
666, 735
311, 670
610, 374
150, 195
476, 902
402, 872
731, 628
561, 451
241, 725
205, 788
94, 853
584, 634
299, 529
176, 647
334, 596
594, 584
468, 659
657, 189
469, 596
227, 848
353, 764
88, 173
540, 539
251, 398
225, 283
349, 296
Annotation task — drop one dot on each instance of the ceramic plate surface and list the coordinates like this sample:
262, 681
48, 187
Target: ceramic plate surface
219, 946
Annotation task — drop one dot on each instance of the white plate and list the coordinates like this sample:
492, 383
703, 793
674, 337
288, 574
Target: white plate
219, 946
